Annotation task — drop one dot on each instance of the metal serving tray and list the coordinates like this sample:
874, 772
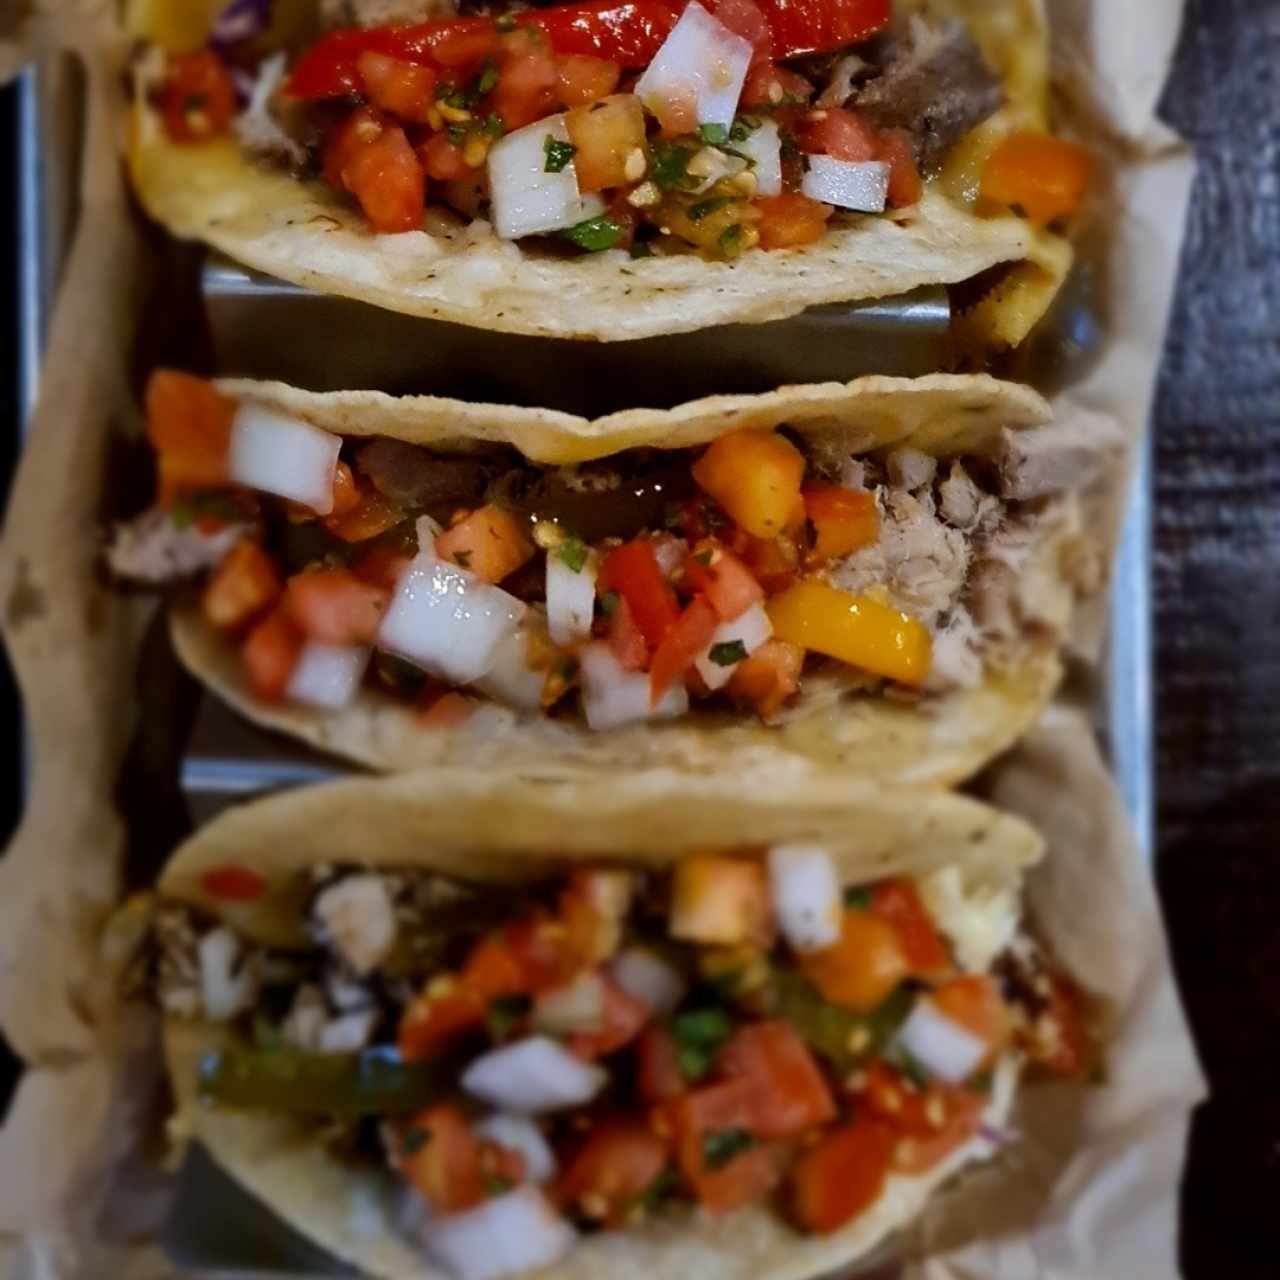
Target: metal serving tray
263, 328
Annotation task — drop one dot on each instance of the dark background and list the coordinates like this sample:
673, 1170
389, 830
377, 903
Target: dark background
1217, 586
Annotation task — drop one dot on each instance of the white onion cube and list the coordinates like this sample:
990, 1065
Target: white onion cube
447, 621
574, 1006
327, 676
763, 147
613, 696
752, 628
646, 977
516, 1232
571, 598
284, 456
941, 1045
533, 1075
511, 679
526, 199
848, 184
806, 895
700, 60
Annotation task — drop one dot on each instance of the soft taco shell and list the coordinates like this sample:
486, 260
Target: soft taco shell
305, 232
516, 826
938, 742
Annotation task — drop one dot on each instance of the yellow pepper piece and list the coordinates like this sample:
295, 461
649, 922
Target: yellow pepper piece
853, 629
755, 476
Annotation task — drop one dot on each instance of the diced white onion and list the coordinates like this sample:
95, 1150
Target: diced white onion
511, 679
533, 1075
752, 627
613, 696
576, 1006
224, 991
806, 895
357, 918
526, 199
327, 675
942, 1046
447, 621
848, 184
702, 59
519, 1231
571, 598
285, 456
763, 147
646, 977
669, 552
520, 1134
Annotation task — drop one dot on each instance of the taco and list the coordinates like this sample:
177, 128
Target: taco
469, 1025
611, 168
876, 575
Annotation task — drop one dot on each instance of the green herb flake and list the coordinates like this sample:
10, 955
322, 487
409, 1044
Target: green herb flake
496, 1186
487, 80
573, 552
505, 22
665, 1184
457, 134
743, 128
705, 207
558, 155
910, 1067
721, 1145
595, 235
713, 134
609, 603
414, 1140
504, 1013
693, 1063
728, 654
182, 515
702, 1028
669, 164
457, 98
493, 125
858, 898
462, 559
730, 240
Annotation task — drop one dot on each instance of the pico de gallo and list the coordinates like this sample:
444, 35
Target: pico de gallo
542, 1062
653, 126
621, 591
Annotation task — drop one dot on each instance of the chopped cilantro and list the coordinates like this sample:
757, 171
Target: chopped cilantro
496, 1186
789, 146
487, 80
730, 240
669, 164
462, 559
659, 1189
858, 898
457, 134
493, 125
721, 1145
558, 154
713, 134
743, 128
910, 1067
573, 552
414, 1140
595, 234
460, 99
504, 1013
728, 654
698, 1034
704, 207
609, 602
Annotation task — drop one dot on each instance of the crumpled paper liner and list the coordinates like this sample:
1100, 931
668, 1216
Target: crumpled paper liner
1089, 1190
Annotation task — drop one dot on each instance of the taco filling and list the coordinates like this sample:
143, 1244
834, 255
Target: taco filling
657, 126
616, 591
533, 1064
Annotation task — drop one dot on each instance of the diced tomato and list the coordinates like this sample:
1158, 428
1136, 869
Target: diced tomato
931, 1122
199, 98
233, 884
527, 88
582, 79
544, 953
1060, 1037
632, 571
432, 1023
624, 1019
803, 26
729, 586
347, 139
189, 426
494, 969
619, 1162
490, 542
465, 44
243, 586
658, 1074
405, 90
626, 640
628, 32
383, 566
270, 652
386, 177
843, 520
974, 1001
440, 1156
791, 1095
371, 515
745, 18
861, 970
905, 185
768, 85
442, 159
447, 711
898, 902
333, 606
773, 562
683, 642
1045, 177
768, 677
842, 1176
837, 132
791, 220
